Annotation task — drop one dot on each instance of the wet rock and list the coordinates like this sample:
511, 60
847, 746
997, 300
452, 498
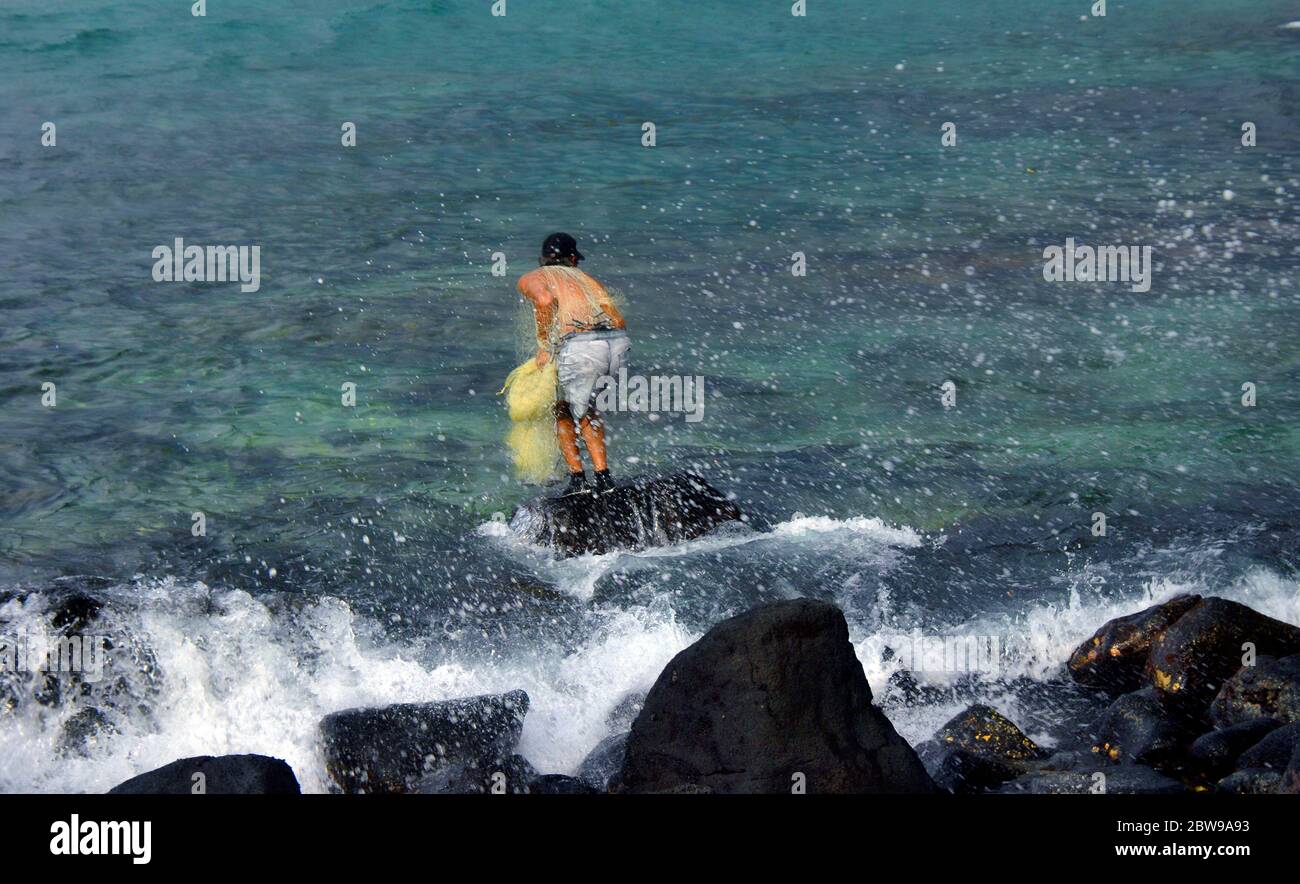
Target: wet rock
1274, 751
1289, 783
215, 775
1251, 781
1071, 760
601, 768
764, 701
392, 748
1140, 728
72, 610
644, 512
963, 772
1195, 655
685, 789
620, 718
903, 689
79, 658
1115, 657
558, 784
72, 613
1215, 754
978, 749
1126, 779
505, 776
1269, 689
84, 730
983, 730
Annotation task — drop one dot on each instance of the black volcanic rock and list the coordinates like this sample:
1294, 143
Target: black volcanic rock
1290, 780
641, 513
963, 772
1269, 689
1124, 779
764, 701
978, 749
1251, 781
1215, 754
1200, 651
1115, 656
985, 731
395, 748
603, 764
558, 784
217, 775
1140, 728
620, 718
1274, 751
83, 730
461, 776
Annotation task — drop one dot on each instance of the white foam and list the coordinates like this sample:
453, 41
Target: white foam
578, 576
256, 674
862, 527
1041, 637
242, 678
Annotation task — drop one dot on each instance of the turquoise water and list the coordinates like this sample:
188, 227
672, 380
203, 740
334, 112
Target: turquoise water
368, 529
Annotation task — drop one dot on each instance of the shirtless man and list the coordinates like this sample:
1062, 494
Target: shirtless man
579, 326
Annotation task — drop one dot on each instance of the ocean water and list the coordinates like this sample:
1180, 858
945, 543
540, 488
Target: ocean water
354, 555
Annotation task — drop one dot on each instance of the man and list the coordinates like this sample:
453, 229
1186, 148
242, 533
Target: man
579, 326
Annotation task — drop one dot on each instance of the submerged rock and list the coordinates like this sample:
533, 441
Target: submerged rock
84, 730
903, 689
764, 702
651, 511
215, 775
1115, 657
394, 748
74, 611
1269, 689
1199, 652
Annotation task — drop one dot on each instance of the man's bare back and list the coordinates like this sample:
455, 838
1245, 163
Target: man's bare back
561, 306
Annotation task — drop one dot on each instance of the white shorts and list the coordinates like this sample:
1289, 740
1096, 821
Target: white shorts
586, 364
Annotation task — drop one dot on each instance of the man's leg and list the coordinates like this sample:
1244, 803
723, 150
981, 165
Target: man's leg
593, 434
568, 437
593, 423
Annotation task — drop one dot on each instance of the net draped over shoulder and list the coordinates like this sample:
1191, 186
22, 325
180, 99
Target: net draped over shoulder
591, 308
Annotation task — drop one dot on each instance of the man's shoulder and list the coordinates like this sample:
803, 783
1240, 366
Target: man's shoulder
528, 280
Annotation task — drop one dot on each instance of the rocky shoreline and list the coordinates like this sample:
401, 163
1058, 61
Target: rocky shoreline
1204, 696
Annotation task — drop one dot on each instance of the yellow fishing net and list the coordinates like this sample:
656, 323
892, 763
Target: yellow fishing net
530, 399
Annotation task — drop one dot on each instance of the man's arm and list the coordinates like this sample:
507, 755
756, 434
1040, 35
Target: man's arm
543, 316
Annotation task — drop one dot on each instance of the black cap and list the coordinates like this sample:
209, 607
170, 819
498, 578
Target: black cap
561, 245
